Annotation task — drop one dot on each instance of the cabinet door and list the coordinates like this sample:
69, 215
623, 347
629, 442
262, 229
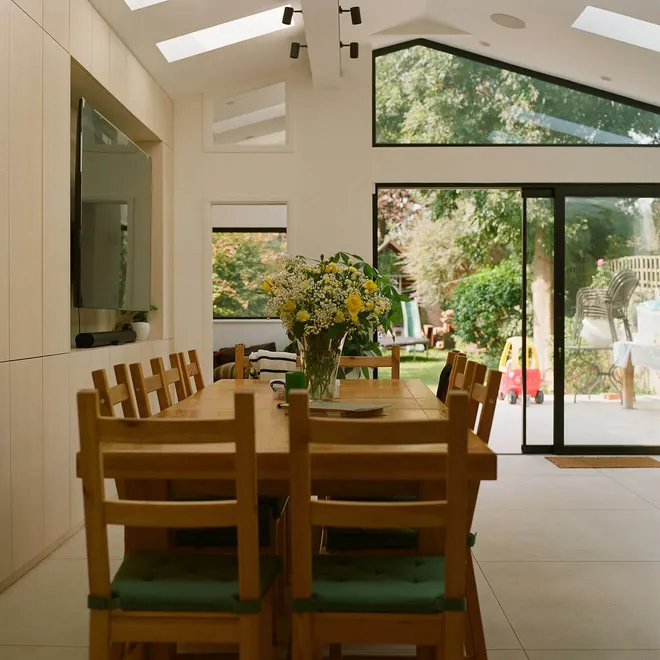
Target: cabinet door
80, 32
25, 194
33, 8
27, 460
4, 180
56, 21
57, 492
57, 202
5, 474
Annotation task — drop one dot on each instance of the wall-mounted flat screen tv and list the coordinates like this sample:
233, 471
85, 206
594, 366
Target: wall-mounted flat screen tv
111, 223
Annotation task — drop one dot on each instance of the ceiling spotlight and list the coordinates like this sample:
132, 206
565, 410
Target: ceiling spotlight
294, 53
356, 15
508, 21
287, 17
354, 49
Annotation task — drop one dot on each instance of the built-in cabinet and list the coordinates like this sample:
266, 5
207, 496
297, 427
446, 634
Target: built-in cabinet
40, 495
56, 197
27, 460
4, 184
25, 191
5, 473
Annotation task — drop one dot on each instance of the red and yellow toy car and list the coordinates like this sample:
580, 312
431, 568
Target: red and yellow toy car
511, 385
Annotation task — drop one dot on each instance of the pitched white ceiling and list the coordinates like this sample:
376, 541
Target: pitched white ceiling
548, 44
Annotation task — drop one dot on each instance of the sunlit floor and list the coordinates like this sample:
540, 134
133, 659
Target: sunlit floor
568, 569
588, 421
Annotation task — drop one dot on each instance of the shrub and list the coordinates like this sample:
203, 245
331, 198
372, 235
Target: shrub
487, 307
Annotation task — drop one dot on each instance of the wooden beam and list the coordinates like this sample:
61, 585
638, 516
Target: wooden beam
321, 18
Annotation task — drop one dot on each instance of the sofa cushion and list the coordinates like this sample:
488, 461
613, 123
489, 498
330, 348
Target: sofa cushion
160, 582
403, 585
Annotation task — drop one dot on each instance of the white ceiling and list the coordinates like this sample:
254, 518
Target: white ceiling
548, 44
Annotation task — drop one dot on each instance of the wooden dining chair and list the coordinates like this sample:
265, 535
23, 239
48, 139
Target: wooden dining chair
192, 370
170, 598
367, 600
482, 404
111, 396
146, 385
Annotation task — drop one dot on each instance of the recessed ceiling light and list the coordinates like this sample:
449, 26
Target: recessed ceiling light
606, 78
508, 21
230, 102
141, 4
485, 44
223, 35
619, 27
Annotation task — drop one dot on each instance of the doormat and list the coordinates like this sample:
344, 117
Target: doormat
603, 462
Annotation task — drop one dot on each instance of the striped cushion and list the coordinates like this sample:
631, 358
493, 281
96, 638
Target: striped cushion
272, 364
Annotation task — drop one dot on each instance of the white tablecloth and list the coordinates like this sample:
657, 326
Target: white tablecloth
641, 355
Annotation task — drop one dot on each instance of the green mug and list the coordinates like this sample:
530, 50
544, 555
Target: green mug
294, 380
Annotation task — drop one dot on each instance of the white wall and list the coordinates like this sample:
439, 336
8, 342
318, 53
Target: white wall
260, 331
328, 180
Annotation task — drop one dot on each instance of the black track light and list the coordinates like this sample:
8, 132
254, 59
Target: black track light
356, 15
354, 49
287, 17
294, 53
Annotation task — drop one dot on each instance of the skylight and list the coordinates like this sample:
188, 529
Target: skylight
141, 4
223, 35
619, 27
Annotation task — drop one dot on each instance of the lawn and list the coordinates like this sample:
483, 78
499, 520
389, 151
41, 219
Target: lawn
426, 368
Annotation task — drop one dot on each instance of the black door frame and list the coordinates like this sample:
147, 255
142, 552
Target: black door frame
560, 192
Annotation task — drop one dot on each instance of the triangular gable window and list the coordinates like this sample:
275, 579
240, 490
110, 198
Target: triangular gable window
430, 94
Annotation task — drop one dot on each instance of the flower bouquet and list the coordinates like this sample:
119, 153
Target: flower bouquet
322, 304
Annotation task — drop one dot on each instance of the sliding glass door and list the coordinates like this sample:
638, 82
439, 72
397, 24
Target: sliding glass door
611, 310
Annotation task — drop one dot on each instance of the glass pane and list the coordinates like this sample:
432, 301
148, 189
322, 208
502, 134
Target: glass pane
458, 254
253, 119
427, 96
241, 263
612, 321
540, 321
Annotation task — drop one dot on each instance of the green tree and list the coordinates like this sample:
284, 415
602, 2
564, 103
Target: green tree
241, 263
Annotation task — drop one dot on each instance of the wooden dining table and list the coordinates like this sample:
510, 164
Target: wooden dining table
360, 471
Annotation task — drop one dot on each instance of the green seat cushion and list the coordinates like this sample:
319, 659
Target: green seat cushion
404, 585
159, 582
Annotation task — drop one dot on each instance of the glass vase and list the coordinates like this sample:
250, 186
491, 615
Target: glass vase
319, 356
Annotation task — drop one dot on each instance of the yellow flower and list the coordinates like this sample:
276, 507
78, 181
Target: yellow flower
274, 291
302, 316
354, 303
267, 286
331, 268
370, 305
339, 317
354, 317
289, 306
370, 286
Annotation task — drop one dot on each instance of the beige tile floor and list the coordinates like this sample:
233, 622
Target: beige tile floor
569, 569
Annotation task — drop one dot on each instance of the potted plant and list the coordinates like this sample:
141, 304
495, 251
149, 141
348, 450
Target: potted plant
139, 321
326, 303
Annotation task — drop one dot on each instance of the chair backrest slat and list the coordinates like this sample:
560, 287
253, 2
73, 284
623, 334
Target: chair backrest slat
97, 432
111, 396
175, 431
374, 361
378, 515
486, 395
458, 367
171, 514
180, 383
378, 432
450, 513
240, 363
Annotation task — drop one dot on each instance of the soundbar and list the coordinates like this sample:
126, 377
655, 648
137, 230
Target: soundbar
96, 339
